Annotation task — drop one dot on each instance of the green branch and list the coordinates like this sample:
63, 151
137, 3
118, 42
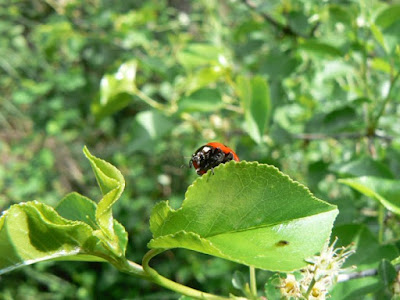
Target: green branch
381, 220
386, 100
284, 28
150, 101
310, 287
155, 277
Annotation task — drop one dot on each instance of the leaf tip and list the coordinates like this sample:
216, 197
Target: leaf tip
86, 151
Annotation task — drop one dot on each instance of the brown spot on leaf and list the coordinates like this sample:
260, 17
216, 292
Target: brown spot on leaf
282, 243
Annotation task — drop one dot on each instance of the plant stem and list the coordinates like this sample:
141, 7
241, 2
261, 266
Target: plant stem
285, 29
153, 103
361, 274
386, 100
155, 277
136, 270
253, 284
312, 283
381, 220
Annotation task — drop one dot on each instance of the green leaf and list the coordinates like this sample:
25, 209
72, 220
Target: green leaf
248, 213
255, 99
379, 37
76, 207
388, 16
299, 22
386, 191
363, 166
271, 287
116, 90
155, 124
116, 103
195, 55
204, 100
279, 65
121, 81
355, 288
340, 14
112, 184
363, 239
387, 272
77, 230
396, 261
319, 48
369, 255
203, 78
380, 64
337, 120
144, 132
31, 232
239, 281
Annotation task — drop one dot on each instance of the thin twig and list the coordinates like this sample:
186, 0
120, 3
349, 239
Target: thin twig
314, 28
361, 274
285, 29
386, 100
282, 27
381, 221
339, 136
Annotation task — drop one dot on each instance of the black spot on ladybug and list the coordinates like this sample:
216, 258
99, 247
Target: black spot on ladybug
282, 243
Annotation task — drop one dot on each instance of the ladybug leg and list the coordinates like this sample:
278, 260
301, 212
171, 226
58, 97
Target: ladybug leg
229, 157
219, 157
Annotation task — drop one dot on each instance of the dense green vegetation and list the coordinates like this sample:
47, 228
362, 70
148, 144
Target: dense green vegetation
311, 87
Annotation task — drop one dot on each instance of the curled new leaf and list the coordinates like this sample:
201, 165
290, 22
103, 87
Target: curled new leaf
112, 184
31, 232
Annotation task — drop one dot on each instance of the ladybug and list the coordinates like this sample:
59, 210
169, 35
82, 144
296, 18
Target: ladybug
211, 155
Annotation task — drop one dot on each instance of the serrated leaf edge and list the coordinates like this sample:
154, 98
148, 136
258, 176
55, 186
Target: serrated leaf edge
118, 183
163, 218
108, 231
254, 163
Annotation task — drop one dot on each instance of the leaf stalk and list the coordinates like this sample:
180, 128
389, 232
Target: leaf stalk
253, 283
155, 277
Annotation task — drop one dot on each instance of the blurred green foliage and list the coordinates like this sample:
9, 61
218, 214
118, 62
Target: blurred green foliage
309, 86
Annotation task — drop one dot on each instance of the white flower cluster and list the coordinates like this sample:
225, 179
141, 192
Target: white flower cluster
396, 287
318, 276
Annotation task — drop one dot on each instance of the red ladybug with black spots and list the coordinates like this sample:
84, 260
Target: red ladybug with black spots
211, 155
